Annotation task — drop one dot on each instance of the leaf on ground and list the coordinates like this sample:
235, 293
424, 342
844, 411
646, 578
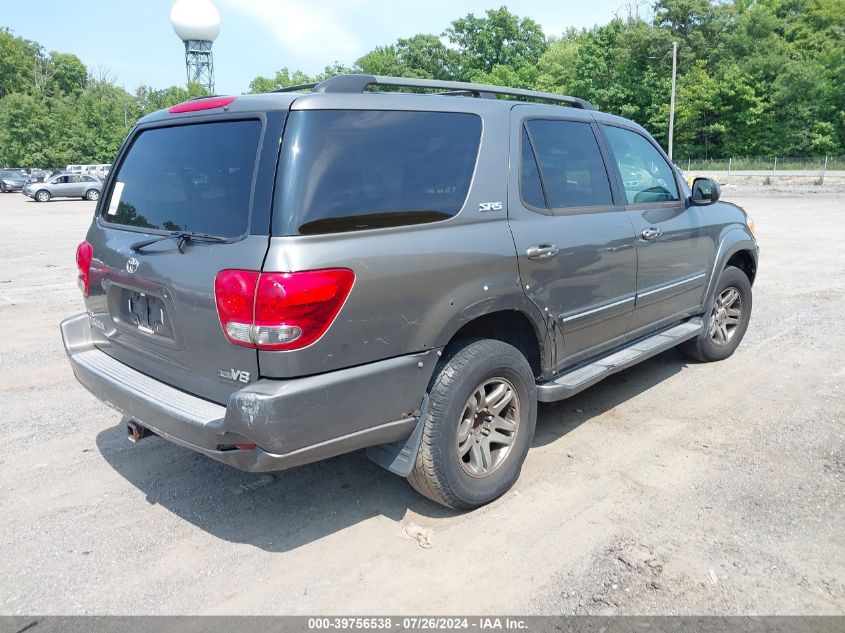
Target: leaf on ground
418, 533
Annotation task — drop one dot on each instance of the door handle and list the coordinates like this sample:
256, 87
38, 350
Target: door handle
541, 251
652, 233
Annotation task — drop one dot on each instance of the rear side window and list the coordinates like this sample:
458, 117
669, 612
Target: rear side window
187, 178
351, 170
646, 175
571, 165
530, 186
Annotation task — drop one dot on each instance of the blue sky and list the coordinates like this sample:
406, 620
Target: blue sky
135, 43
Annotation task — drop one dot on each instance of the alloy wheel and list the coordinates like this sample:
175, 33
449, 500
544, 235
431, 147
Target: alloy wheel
488, 427
726, 316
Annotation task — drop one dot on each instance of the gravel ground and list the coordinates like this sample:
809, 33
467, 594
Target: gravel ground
793, 183
671, 488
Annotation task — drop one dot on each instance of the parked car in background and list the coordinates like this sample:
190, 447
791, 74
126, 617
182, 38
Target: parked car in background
100, 170
65, 186
11, 180
38, 175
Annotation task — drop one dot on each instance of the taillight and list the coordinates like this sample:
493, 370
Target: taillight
84, 253
280, 311
234, 291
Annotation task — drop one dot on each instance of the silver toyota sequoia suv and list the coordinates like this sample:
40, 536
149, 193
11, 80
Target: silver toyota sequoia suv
279, 278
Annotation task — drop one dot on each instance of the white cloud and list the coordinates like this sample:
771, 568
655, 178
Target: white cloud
312, 29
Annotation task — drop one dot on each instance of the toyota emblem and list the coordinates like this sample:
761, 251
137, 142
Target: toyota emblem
131, 265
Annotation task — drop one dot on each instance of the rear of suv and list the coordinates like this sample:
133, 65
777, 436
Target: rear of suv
276, 279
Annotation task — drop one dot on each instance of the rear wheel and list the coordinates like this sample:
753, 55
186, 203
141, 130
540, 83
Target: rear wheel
42, 196
92, 194
727, 322
479, 425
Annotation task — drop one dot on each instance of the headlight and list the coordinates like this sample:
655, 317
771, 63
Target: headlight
9, 182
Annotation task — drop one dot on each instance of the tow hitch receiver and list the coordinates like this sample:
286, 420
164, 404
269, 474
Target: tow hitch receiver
135, 432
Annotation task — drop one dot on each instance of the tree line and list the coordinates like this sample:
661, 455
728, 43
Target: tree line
755, 77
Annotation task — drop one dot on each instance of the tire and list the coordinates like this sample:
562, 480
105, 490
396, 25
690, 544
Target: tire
723, 329
92, 194
471, 367
42, 195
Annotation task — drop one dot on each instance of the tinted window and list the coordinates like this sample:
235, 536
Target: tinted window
529, 178
570, 163
646, 175
348, 170
188, 178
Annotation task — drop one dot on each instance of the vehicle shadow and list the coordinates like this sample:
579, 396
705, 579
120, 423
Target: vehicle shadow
556, 419
282, 511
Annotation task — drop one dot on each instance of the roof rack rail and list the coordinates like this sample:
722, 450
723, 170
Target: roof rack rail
360, 83
295, 88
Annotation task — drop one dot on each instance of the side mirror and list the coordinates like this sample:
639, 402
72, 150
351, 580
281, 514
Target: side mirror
705, 191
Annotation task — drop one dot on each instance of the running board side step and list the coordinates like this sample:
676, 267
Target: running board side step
578, 379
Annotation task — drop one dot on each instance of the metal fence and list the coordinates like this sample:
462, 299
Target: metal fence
818, 164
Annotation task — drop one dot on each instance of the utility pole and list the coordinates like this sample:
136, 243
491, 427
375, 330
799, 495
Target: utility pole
672, 101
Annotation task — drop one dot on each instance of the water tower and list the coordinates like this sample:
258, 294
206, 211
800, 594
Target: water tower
197, 23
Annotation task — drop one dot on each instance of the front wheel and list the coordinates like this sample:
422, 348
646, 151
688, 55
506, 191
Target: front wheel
478, 427
43, 196
727, 322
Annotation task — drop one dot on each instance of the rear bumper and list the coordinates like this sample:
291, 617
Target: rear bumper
292, 422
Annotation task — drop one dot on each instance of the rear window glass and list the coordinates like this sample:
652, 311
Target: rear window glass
529, 177
187, 178
350, 170
571, 165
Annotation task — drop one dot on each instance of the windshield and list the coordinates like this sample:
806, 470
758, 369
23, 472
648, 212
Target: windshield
187, 178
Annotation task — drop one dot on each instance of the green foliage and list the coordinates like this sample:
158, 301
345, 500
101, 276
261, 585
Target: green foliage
148, 99
284, 78
24, 130
63, 74
498, 39
19, 59
759, 77
53, 113
421, 56
597, 65
754, 77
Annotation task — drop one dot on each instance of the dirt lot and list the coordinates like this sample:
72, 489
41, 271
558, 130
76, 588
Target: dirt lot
670, 488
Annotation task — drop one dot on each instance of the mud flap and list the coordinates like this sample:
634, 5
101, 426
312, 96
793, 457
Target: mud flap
399, 457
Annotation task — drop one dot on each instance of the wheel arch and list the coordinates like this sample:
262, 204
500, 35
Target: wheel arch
510, 326
736, 247
745, 261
